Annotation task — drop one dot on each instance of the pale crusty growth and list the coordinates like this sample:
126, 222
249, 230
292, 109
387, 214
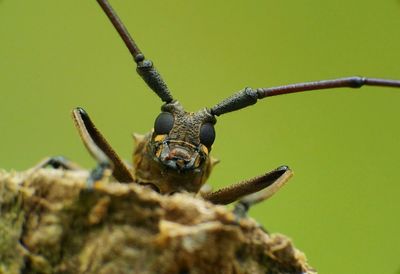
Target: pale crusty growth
50, 223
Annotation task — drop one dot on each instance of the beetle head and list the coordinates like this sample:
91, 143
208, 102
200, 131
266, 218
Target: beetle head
182, 140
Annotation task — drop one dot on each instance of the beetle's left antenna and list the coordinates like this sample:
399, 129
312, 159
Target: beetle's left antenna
145, 67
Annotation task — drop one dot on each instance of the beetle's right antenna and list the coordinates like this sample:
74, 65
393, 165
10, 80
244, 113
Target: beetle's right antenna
248, 96
145, 68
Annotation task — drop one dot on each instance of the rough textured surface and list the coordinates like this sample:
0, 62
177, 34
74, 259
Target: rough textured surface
50, 223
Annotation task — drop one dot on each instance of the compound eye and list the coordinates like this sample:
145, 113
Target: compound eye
164, 123
207, 134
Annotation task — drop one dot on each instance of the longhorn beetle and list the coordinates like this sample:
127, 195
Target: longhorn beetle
174, 157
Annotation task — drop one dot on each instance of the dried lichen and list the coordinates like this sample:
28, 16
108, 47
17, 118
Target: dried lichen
51, 223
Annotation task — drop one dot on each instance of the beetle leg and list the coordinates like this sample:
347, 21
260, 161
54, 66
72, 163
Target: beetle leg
57, 162
243, 205
253, 190
100, 149
206, 189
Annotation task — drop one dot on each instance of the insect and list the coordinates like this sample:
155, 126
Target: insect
175, 156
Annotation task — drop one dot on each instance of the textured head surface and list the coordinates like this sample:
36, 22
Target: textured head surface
175, 156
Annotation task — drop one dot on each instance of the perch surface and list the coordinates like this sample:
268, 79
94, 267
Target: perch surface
51, 223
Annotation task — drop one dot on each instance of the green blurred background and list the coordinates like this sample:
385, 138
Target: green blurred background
341, 208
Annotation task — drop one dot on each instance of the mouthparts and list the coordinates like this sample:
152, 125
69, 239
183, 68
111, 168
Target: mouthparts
180, 156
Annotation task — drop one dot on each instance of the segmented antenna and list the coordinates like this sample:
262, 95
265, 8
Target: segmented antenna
144, 68
249, 96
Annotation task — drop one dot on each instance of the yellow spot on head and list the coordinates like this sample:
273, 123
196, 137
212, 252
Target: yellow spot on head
160, 138
204, 149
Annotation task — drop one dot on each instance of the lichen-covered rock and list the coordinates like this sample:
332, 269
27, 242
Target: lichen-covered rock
51, 223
